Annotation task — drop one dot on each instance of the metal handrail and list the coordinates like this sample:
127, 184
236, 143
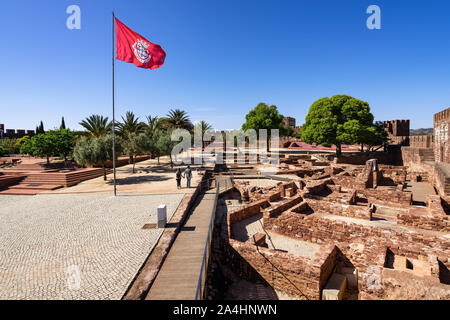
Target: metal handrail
203, 267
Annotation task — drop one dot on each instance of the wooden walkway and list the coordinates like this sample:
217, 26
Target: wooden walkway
178, 277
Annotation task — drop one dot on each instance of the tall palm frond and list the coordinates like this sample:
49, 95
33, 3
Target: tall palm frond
178, 119
96, 125
130, 124
153, 123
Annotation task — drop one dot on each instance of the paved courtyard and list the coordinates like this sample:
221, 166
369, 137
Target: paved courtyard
75, 246
150, 177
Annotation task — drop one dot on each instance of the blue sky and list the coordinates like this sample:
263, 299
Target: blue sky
223, 58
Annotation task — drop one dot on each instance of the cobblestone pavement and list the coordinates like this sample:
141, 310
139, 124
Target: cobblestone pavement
49, 242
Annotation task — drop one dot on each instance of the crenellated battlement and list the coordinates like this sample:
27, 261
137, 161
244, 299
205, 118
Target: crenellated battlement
397, 128
14, 133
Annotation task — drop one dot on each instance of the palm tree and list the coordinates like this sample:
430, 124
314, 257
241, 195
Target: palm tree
96, 125
130, 124
178, 119
203, 126
153, 123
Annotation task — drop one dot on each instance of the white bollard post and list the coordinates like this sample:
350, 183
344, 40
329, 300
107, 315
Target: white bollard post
162, 215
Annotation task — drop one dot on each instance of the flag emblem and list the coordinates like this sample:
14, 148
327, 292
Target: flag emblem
133, 48
141, 52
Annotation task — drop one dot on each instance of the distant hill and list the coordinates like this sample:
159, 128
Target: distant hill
421, 132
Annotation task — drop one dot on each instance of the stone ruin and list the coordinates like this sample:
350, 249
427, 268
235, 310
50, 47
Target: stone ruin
326, 230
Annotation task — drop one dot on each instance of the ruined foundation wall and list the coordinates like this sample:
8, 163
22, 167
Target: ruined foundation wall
383, 196
361, 158
295, 275
345, 210
320, 230
433, 217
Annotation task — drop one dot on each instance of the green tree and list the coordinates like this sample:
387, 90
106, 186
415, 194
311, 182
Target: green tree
42, 146
40, 128
25, 145
2, 151
63, 124
177, 119
9, 145
137, 144
162, 144
96, 151
153, 123
96, 125
130, 125
61, 142
286, 131
263, 117
374, 136
338, 120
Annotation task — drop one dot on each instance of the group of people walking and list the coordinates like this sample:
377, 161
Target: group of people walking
186, 174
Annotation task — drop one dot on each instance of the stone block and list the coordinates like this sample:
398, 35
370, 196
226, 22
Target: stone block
335, 287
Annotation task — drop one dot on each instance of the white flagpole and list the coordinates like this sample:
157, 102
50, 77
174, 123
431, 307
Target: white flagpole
113, 113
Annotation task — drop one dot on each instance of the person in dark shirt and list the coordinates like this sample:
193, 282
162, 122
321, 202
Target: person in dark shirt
188, 176
178, 177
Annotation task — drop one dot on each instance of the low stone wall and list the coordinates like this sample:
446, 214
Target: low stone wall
383, 196
247, 211
283, 206
298, 276
432, 217
412, 155
361, 158
319, 230
345, 210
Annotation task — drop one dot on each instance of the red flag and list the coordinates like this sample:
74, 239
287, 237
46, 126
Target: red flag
132, 47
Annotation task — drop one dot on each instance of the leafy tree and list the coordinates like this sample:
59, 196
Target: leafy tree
177, 119
263, 117
61, 142
42, 146
374, 136
9, 145
162, 144
96, 151
2, 151
25, 145
63, 124
286, 131
137, 144
96, 125
338, 120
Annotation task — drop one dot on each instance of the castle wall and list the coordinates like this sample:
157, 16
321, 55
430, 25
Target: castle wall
14, 133
441, 141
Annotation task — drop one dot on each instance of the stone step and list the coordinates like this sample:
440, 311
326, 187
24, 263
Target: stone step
335, 287
18, 192
37, 186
